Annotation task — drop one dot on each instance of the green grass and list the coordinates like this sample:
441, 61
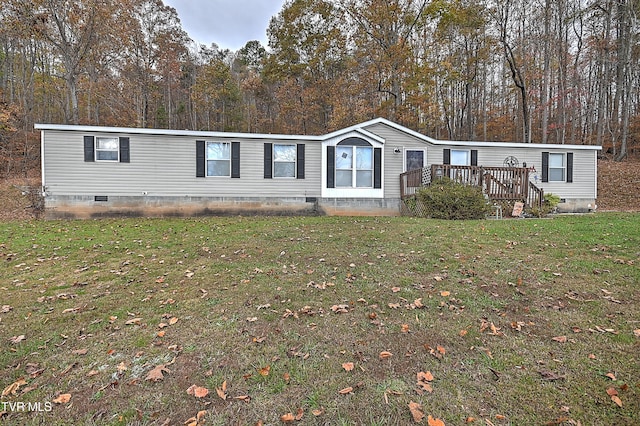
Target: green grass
257, 292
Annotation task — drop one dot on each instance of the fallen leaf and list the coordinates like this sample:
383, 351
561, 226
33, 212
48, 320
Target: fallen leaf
445, 293
62, 398
612, 392
561, 339
395, 289
13, 387
222, 391
156, 374
434, 422
287, 418
416, 411
161, 333
264, 371
5, 309
425, 376
617, 400
348, 366
423, 380
345, 391
385, 355
80, 351
17, 339
340, 309
462, 333
200, 392
441, 349
317, 412
196, 420
404, 328
636, 332
611, 376
133, 321
299, 414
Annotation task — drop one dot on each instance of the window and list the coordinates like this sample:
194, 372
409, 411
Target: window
284, 161
556, 168
414, 159
354, 166
107, 149
218, 159
460, 157
354, 163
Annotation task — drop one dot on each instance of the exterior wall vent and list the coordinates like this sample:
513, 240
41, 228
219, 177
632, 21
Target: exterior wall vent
101, 198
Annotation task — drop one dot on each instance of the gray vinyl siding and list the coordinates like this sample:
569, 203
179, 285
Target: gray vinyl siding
394, 162
165, 165
584, 161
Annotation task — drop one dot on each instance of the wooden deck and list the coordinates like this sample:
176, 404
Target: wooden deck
498, 183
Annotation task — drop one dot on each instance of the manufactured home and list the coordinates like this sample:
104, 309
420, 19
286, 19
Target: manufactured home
365, 169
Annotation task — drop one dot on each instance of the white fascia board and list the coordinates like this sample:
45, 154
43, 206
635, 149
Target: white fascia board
167, 132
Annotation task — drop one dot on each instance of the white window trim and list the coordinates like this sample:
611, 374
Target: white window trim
563, 168
354, 170
468, 151
207, 159
404, 157
352, 192
96, 150
274, 161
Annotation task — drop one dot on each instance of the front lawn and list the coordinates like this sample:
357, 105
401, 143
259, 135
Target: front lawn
321, 320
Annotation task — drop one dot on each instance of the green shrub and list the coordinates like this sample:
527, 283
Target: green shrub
549, 204
447, 199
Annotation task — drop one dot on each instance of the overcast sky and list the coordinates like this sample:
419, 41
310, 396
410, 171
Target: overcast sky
228, 23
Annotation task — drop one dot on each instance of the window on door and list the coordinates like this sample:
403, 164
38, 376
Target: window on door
414, 159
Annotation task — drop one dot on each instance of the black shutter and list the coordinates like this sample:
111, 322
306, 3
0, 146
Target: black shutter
331, 167
545, 167
446, 156
300, 161
377, 167
235, 159
569, 167
124, 150
200, 159
474, 157
268, 160
89, 151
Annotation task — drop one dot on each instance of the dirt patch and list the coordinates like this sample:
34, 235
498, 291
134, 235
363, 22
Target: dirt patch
618, 184
19, 198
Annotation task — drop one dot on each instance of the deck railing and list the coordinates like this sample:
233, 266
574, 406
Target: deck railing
410, 182
498, 183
